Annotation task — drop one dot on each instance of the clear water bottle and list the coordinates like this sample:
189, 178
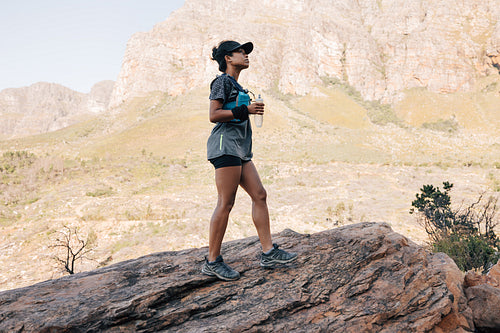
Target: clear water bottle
259, 119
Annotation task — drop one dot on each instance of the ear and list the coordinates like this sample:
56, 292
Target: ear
228, 58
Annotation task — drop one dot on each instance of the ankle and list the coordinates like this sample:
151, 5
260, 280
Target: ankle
212, 259
267, 250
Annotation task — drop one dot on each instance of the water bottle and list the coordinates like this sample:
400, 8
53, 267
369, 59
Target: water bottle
259, 119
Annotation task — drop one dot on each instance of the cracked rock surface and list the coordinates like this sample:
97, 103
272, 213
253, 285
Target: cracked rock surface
362, 277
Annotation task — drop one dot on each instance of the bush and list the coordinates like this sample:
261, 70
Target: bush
466, 235
449, 125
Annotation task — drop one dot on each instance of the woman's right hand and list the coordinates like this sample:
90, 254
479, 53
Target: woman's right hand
256, 108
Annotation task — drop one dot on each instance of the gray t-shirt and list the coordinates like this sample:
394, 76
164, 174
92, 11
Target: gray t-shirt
233, 137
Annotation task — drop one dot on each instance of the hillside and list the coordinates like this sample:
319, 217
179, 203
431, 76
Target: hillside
137, 177
366, 102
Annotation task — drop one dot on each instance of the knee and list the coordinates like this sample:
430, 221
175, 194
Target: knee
226, 204
260, 195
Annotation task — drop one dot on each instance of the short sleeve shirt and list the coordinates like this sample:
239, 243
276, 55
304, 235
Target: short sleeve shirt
233, 137
222, 88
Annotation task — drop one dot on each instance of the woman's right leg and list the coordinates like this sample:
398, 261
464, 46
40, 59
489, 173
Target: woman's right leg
227, 180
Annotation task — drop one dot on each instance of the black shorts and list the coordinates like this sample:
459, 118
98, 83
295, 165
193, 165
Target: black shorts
227, 161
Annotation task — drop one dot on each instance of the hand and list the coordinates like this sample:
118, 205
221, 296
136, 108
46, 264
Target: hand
256, 108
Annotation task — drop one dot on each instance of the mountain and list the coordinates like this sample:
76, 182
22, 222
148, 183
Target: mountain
45, 107
136, 176
383, 49
408, 55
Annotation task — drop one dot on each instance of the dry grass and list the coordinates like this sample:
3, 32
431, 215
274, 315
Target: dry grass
137, 176
476, 111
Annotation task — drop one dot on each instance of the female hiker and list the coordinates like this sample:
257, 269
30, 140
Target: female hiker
229, 149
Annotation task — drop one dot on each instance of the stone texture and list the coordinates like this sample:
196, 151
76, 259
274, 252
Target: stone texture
361, 277
484, 300
381, 48
494, 274
44, 107
483, 294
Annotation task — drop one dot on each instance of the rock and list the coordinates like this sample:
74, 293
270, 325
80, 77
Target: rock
474, 279
483, 294
484, 300
361, 277
381, 48
99, 96
494, 274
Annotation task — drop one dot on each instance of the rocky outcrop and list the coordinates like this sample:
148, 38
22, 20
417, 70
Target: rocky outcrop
361, 277
45, 107
381, 48
99, 96
483, 295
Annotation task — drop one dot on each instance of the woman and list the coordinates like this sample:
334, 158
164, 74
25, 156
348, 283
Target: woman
229, 149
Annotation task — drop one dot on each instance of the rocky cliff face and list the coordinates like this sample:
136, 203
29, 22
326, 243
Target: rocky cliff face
45, 107
361, 277
380, 47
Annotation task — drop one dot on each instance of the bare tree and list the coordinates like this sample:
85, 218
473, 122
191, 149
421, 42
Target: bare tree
75, 248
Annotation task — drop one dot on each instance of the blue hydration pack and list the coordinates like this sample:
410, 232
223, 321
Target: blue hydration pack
242, 98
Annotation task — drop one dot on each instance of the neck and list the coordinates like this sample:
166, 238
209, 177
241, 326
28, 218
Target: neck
234, 72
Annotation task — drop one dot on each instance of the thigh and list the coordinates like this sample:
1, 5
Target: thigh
250, 181
227, 180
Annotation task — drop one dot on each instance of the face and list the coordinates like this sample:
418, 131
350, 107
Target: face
238, 59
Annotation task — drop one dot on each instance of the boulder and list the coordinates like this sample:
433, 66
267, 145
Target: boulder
362, 277
483, 295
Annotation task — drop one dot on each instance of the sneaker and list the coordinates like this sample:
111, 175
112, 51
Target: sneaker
220, 269
276, 256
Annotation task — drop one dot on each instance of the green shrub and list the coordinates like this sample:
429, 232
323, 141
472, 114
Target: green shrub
100, 192
448, 125
466, 235
469, 252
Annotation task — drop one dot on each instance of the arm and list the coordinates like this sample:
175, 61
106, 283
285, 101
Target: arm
218, 115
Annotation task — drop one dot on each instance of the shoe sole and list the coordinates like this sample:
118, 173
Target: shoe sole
209, 273
274, 262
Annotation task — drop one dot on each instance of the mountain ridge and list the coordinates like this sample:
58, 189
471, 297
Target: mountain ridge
45, 107
380, 48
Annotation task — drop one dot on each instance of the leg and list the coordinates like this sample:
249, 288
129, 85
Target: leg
227, 180
251, 183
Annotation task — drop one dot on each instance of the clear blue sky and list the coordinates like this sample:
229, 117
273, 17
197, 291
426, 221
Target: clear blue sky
76, 43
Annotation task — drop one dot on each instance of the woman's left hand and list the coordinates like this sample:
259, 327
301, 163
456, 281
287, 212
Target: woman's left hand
256, 108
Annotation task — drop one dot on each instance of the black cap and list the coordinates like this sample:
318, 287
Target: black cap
230, 46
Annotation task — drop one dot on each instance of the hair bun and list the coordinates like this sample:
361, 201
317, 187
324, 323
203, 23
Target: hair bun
214, 53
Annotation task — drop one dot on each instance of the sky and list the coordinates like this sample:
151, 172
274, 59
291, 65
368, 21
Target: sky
75, 43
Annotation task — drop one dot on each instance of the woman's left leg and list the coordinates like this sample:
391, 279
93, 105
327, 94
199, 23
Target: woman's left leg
251, 183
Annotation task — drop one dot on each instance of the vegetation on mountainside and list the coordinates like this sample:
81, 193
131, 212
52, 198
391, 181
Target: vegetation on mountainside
139, 178
475, 110
448, 125
73, 248
379, 113
467, 234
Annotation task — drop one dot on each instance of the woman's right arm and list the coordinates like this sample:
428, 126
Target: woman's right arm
217, 114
